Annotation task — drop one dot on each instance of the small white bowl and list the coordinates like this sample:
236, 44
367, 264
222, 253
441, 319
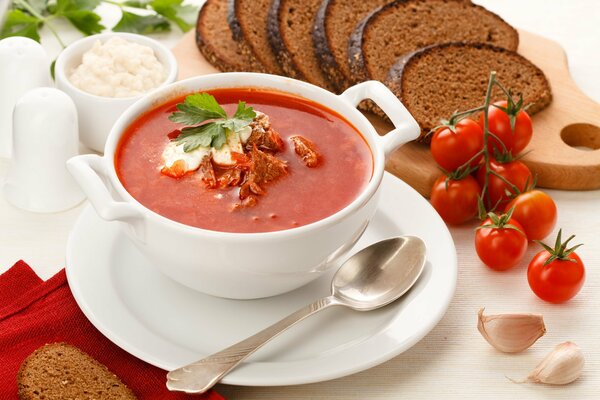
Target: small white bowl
97, 114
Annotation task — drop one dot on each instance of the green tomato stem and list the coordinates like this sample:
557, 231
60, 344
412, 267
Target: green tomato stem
466, 113
505, 150
514, 188
486, 134
506, 92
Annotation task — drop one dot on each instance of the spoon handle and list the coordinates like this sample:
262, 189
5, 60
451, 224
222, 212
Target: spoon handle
201, 375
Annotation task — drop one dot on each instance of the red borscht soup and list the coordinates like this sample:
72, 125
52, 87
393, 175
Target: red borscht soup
291, 163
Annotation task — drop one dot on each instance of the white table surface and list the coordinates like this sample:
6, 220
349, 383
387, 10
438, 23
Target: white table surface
453, 361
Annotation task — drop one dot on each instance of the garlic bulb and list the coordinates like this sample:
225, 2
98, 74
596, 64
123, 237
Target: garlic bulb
563, 365
511, 333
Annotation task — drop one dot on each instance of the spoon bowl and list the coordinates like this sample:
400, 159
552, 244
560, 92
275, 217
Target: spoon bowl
372, 278
379, 274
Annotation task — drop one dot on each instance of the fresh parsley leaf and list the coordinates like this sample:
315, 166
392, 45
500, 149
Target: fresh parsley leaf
235, 124
220, 139
244, 112
73, 5
80, 13
85, 21
136, 3
197, 108
27, 16
242, 118
201, 107
173, 10
211, 134
143, 24
53, 69
20, 24
39, 6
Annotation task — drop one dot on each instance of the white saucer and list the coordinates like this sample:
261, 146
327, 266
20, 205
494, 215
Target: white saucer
169, 325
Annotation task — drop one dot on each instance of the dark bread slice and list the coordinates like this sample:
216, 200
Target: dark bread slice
215, 42
248, 23
436, 81
60, 371
335, 21
404, 26
290, 26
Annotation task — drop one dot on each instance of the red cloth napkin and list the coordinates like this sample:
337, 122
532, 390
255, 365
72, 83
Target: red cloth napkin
34, 312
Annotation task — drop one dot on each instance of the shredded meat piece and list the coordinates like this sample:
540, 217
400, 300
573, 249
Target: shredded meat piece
207, 172
263, 135
231, 177
252, 168
307, 150
264, 168
249, 201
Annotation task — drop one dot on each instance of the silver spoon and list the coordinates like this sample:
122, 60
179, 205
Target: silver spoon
372, 278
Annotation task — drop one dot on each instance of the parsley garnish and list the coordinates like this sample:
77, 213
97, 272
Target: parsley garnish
144, 24
26, 17
198, 108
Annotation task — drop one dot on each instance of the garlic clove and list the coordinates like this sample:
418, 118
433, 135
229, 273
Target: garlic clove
563, 365
511, 333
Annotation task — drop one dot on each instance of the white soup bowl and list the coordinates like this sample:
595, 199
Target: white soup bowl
246, 265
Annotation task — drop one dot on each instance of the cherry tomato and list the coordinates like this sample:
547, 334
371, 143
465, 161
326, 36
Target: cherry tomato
536, 212
561, 278
457, 203
515, 172
453, 149
500, 247
499, 124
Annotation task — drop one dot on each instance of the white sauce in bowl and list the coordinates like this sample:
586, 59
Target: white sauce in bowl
118, 68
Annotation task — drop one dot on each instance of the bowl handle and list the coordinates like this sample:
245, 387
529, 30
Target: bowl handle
406, 128
87, 170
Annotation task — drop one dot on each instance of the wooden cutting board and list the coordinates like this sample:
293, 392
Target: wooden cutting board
555, 155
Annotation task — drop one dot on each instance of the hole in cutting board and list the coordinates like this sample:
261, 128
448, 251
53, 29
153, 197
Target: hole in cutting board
581, 136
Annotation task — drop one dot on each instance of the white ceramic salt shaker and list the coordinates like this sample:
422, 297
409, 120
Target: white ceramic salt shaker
24, 65
45, 136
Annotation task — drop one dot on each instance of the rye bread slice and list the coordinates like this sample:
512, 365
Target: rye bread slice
59, 371
215, 42
248, 23
404, 26
334, 23
436, 81
290, 34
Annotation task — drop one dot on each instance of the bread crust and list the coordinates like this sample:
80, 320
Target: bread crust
246, 46
327, 61
298, 60
356, 57
284, 57
397, 80
211, 53
233, 21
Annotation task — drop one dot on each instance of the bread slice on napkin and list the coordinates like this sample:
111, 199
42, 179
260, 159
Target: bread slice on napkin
248, 22
334, 23
436, 81
215, 42
403, 26
60, 371
290, 35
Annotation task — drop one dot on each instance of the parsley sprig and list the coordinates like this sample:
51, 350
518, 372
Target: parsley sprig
26, 17
198, 108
